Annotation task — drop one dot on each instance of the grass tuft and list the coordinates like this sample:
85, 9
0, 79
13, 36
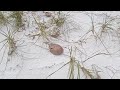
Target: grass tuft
17, 16
3, 18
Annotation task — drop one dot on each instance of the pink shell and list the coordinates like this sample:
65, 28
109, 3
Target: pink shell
56, 49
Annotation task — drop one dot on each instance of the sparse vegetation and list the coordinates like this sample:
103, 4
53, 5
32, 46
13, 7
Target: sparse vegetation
94, 39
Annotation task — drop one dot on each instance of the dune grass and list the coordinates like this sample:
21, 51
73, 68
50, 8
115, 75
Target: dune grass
3, 18
18, 19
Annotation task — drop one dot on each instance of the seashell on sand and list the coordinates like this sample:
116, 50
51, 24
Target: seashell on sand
56, 49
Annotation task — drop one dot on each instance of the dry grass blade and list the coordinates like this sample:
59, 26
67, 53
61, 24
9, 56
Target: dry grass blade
94, 56
3, 53
71, 68
78, 67
57, 70
72, 63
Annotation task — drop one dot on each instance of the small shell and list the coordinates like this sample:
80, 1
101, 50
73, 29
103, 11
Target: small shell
56, 49
55, 35
48, 14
